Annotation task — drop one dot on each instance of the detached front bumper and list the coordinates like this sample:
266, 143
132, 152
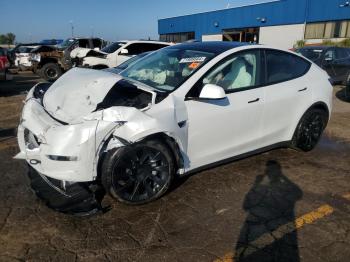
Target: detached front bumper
82, 199
60, 160
55, 150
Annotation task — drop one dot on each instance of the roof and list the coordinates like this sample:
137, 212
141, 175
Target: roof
215, 47
272, 13
321, 47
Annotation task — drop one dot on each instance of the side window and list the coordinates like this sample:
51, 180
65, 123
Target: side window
282, 66
96, 43
341, 53
235, 73
84, 43
134, 49
151, 47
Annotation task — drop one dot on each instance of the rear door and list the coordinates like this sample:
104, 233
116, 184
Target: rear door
286, 94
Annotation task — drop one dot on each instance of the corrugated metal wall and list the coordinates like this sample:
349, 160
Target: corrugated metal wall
283, 12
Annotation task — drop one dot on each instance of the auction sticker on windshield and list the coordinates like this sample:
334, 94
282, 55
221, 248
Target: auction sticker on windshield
192, 59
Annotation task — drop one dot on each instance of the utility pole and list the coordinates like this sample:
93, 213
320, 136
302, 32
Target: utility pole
72, 27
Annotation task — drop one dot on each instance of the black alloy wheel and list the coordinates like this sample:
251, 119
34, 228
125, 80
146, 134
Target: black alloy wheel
139, 173
51, 71
310, 129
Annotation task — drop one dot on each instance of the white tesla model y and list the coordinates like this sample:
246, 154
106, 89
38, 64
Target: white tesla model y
175, 111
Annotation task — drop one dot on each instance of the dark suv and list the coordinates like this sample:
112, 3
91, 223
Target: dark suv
51, 62
335, 60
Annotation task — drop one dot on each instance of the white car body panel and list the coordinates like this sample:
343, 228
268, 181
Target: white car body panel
113, 59
205, 138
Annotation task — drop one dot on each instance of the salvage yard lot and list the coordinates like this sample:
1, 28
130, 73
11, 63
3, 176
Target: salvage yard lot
282, 205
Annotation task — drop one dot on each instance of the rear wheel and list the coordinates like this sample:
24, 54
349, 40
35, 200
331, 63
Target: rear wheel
51, 71
309, 129
138, 173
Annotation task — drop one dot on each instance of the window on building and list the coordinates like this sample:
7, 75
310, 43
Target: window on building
177, 37
315, 31
338, 29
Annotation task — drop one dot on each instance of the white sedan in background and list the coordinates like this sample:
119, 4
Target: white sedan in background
114, 54
177, 110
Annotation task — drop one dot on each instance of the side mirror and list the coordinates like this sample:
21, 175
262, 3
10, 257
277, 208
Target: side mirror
124, 51
211, 91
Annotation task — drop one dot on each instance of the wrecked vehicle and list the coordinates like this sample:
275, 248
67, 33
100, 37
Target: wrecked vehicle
50, 62
113, 54
176, 111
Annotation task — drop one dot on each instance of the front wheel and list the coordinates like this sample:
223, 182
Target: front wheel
51, 71
309, 129
138, 173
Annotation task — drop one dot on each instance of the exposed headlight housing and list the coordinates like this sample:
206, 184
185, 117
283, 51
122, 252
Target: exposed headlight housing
35, 57
40, 90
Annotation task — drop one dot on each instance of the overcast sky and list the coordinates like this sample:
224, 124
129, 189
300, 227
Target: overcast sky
34, 20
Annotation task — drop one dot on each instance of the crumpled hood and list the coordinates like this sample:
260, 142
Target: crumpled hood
77, 93
81, 52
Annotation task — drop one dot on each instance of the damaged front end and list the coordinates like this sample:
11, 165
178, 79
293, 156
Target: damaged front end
66, 127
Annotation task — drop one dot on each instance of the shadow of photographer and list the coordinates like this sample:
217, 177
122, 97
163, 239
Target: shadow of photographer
268, 233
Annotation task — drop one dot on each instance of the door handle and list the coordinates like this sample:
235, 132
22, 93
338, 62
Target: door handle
253, 101
301, 90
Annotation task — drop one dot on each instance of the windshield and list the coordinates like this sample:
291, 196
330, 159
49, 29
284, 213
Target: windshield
66, 43
112, 47
312, 54
167, 68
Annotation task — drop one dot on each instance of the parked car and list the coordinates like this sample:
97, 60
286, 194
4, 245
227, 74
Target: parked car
176, 111
127, 63
4, 63
50, 62
334, 60
347, 89
22, 60
114, 54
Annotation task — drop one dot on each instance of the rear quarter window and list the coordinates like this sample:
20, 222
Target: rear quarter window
282, 66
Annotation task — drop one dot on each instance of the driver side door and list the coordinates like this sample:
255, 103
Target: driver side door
220, 129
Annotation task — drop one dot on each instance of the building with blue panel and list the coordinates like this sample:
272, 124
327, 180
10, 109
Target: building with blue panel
280, 23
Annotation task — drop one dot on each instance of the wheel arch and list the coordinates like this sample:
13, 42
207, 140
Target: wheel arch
47, 60
172, 144
168, 140
320, 105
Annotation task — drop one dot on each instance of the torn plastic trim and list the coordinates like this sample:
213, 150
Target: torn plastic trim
78, 199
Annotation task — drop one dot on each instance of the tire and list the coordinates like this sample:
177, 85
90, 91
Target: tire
50, 71
347, 88
309, 129
139, 173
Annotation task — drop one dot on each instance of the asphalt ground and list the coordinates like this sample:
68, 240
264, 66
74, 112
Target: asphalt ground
282, 205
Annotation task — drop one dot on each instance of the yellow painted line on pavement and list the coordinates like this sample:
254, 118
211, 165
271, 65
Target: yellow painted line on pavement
346, 196
265, 239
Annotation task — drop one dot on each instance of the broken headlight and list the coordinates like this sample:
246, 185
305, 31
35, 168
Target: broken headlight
40, 90
35, 57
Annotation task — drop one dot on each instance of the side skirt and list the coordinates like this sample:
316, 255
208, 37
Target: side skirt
284, 144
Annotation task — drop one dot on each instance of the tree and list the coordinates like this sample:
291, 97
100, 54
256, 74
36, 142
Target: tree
8, 39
